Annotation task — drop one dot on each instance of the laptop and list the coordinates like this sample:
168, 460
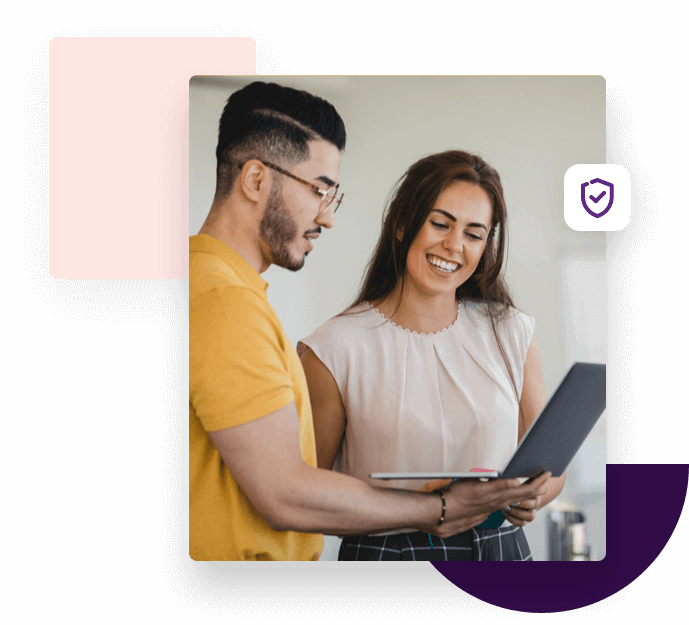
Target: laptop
554, 437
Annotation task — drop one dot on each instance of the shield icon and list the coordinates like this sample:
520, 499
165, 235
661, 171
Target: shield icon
597, 198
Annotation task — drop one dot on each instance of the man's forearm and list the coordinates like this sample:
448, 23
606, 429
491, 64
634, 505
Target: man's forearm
326, 502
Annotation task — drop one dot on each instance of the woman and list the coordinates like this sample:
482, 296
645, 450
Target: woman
432, 368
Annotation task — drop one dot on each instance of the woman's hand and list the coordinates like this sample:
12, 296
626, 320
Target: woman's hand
469, 502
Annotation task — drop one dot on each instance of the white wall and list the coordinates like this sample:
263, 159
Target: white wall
531, 129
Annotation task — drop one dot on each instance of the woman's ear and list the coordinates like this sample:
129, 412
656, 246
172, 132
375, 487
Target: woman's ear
400, 234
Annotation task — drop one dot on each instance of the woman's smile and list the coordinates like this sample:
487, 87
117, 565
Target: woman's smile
444, 266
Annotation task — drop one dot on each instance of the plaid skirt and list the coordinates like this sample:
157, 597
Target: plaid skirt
475, 544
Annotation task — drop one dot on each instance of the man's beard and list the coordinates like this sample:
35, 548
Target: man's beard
278, 230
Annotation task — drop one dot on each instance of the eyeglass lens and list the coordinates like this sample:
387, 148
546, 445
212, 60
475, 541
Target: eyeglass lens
328, 200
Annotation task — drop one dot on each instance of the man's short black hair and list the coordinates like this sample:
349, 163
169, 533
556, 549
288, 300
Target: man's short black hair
272, 123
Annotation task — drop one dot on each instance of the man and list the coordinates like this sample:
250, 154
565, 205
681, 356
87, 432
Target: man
254, 490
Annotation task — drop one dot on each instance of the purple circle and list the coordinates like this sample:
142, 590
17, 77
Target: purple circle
561, 586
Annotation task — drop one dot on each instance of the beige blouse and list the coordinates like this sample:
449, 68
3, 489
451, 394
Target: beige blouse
424, 402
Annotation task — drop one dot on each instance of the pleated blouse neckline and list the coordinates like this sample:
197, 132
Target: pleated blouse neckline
407, 330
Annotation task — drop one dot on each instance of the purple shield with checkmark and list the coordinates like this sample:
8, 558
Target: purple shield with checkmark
597, 196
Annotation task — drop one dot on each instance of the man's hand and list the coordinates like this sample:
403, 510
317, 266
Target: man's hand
469, 502
524, 513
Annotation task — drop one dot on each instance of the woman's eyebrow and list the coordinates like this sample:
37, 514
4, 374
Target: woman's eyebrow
473, 224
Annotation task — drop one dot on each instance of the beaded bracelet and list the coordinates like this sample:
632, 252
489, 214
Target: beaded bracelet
442, 516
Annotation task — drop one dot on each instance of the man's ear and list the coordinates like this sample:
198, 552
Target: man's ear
253, 179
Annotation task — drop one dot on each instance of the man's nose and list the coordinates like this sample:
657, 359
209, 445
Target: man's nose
326, 218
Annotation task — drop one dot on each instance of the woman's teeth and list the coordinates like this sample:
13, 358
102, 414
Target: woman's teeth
442, 265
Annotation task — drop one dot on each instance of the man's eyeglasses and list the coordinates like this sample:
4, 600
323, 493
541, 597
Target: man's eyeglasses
331, 196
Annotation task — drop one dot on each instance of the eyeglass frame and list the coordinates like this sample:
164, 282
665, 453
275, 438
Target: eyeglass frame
322, 192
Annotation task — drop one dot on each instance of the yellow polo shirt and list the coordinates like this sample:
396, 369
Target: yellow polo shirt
241, 367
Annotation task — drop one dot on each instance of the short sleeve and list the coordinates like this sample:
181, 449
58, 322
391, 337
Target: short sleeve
238, 367
517, 330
